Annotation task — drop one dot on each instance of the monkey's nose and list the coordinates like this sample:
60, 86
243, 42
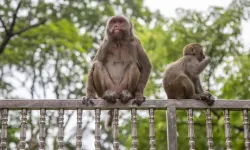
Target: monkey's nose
116, 25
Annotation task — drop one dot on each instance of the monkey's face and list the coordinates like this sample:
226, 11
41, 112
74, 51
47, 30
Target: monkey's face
194, 49
200, 54
118, 26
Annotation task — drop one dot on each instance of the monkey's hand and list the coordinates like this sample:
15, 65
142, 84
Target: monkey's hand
86, 100
209, 98
139, 99
208, 59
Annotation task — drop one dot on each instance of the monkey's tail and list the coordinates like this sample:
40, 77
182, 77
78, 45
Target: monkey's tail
109, 120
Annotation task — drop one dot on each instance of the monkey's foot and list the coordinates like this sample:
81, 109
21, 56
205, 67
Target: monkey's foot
208, 98
86, 100
110, 96
139, 99
125, 96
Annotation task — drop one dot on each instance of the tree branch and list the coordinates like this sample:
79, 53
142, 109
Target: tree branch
29, 27
4, 26
10, 33
14, 17
4, 43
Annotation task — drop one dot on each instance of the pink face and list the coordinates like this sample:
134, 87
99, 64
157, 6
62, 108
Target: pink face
117, 25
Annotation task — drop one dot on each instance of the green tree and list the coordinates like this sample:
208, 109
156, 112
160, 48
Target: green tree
51, 43
218, 30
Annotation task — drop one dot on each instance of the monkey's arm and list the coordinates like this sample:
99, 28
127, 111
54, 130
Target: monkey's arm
101, 52
100, 55
198, 86
145, 68
199, 67
90, 89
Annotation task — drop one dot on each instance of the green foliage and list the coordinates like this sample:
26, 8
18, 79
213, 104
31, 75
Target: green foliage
52, 61
236, 86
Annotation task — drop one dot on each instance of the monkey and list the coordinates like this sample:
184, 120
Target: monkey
181, 78
121, 67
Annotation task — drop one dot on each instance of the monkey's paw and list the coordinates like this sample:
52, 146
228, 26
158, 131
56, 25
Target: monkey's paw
125, 96
208, 98
86, 100
110, 96
208, 59
139, 99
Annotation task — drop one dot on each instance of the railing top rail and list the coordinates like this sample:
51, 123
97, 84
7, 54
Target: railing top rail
99, 103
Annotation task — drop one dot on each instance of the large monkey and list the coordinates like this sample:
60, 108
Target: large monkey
121, 66
181, 78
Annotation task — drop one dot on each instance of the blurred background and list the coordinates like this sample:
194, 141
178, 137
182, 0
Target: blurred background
46, 47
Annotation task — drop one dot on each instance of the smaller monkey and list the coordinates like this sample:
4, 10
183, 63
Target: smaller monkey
181, 79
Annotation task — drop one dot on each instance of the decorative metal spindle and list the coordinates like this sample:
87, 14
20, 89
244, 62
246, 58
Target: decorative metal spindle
4, 128
209, 130
227, 130
191, 129
116, 131
246, 128
151, 129
97, 129
42, 129
79, 130
23, 129
61, 129
134, 129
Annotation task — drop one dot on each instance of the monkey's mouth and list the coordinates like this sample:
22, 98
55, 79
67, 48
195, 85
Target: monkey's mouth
200, 59
116, 30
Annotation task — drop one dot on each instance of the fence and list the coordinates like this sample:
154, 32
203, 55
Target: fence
169, 105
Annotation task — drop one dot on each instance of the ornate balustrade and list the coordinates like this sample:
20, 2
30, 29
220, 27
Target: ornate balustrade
151, 105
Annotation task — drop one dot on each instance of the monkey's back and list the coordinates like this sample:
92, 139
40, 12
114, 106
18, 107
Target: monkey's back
171, 79
173, 70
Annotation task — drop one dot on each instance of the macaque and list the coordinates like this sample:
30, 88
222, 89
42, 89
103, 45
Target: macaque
181, 78
120, 68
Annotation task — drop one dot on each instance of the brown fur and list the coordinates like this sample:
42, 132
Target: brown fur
181, 78
121, 66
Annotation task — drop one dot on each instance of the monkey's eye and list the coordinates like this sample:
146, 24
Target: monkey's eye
120, 21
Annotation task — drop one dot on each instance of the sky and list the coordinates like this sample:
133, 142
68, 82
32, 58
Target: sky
167, 8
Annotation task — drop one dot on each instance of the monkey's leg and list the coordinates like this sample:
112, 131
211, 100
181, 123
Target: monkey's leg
129, 82
189, 89
190, 93
180, 87
103, 83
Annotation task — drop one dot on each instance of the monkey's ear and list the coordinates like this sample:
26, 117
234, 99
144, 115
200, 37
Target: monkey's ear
131, 26
131, 32
189, 50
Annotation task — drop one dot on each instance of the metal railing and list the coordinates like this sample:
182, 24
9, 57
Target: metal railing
160, 104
